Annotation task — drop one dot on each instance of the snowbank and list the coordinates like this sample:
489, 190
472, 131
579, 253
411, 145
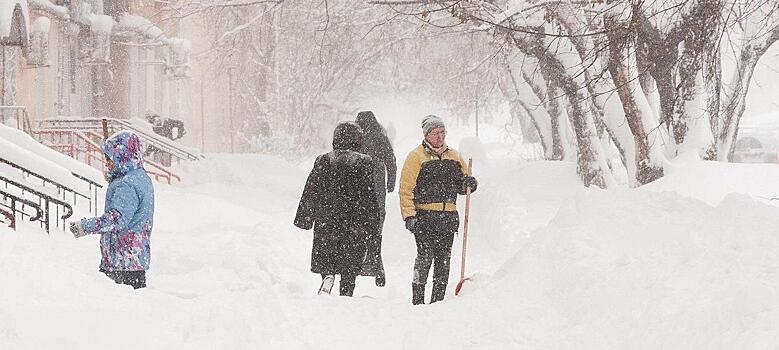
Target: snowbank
554, 265
31, 154
712, 181
636, 269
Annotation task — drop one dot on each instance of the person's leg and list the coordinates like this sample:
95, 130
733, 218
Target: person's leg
348, 282
442, 264
422, 262
442, 248
112, 275
380, 280
373, 246
136, 279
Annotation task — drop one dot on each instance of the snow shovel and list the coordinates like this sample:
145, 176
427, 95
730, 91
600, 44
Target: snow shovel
465, 232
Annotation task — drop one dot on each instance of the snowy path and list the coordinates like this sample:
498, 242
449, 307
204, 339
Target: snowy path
556, 266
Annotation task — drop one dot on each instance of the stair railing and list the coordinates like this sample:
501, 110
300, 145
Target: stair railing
115, 125
62, 189
11, 204
45, 202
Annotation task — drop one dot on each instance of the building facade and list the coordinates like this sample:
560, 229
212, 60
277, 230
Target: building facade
89, 59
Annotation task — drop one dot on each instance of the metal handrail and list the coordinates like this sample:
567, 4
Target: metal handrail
92, 151
60, 187
47, 199
164, 173
89, 136
25, 202
22, 117
10, 217
94, 124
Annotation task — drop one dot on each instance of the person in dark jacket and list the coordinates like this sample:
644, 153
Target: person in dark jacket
339, 202
432, 177
170, 128
377, 145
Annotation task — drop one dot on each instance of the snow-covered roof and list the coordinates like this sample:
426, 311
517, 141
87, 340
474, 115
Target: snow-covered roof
139, 25
143, 27
59, 12
7, 8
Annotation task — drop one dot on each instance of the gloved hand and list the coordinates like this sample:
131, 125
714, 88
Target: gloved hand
411, 222
76, 229
470, 182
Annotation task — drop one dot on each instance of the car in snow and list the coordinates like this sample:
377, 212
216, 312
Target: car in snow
757, 146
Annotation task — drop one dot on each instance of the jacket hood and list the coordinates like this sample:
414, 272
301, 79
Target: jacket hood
367, 121
124, 149
347, 136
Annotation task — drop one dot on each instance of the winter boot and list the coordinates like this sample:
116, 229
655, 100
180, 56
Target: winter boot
439, 290
327, 284
417, 293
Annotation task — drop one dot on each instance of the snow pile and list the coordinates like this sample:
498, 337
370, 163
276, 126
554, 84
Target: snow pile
31, 154
636, 269
554, 265
39, 165
713, 181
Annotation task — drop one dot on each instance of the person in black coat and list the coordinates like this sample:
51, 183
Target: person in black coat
339, 202
377, 145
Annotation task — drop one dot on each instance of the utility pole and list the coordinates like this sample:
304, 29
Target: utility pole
477, 117
230, 108
2, 86
202, 113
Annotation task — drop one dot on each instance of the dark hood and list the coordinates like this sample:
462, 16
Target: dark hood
347, 136
367, 121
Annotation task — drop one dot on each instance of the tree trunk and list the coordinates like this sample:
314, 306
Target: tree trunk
626, 86
590, 157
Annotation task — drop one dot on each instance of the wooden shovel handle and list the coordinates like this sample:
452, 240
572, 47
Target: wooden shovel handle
465, 222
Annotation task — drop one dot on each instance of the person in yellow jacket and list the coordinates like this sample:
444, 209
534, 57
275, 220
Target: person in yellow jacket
432, 177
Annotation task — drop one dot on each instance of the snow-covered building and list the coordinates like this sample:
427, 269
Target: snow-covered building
88, 58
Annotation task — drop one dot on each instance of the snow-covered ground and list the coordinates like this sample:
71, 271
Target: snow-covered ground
688, 262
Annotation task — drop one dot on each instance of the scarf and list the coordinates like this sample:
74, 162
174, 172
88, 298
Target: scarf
438, 151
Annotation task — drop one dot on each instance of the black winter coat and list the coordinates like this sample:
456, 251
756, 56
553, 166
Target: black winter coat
339, 202
377, 145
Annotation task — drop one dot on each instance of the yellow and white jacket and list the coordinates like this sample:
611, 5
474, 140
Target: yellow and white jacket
430, 181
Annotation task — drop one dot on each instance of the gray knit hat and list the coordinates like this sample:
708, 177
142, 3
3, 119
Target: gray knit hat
431, 122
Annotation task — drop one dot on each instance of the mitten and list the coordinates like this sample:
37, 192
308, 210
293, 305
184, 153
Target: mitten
76, 229
470, 182
411, 222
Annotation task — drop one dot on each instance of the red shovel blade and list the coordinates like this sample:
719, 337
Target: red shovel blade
460, 285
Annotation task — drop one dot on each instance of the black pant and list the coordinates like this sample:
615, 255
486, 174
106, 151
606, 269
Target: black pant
136, 279
373, 265
434, 233
347, 284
